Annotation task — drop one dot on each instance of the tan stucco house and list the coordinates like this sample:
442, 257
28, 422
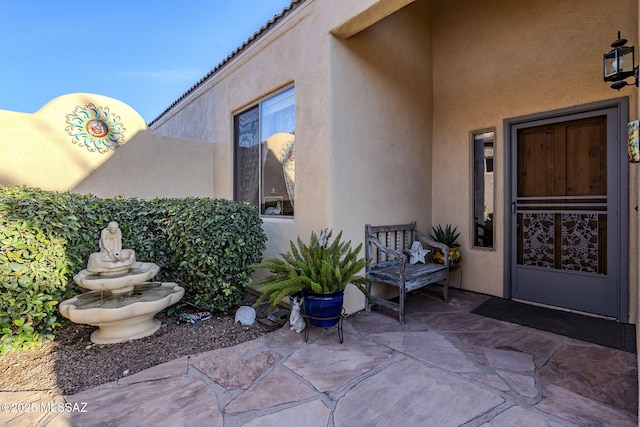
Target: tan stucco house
489, 115
492, 116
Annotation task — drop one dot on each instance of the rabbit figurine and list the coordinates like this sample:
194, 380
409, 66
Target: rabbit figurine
295, 319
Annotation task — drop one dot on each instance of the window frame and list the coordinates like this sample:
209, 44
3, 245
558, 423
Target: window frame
481, 136
262, 205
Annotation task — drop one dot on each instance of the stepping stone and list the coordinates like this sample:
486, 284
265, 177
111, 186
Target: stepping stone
328, 365
580, 410
430, 347
234, 370
161, 402
520, 417
311, 414
277, 388
509, 359
173, 368
524, 385
410, 393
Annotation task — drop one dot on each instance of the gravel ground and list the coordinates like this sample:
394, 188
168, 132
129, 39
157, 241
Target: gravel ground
71, 363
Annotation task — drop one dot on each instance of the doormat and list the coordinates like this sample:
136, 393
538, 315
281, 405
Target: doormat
608, 333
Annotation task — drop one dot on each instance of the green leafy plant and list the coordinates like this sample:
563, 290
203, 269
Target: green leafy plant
447, 235
317, 267
46, 237
34, 266
212, 242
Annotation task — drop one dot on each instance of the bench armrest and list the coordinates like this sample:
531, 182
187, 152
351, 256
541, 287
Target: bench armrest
430, 242
390, 252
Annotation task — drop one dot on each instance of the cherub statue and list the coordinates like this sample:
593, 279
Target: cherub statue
111, 242
111, 258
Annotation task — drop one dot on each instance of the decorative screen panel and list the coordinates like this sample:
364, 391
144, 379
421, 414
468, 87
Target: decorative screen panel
580, 242
572, 241
538, 239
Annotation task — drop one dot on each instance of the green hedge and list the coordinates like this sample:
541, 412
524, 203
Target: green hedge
46, 237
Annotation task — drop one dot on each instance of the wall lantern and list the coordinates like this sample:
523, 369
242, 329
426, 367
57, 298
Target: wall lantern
620, 64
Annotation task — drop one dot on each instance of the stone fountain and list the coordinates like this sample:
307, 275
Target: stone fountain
121, 301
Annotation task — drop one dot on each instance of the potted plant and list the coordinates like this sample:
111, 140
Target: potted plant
319, 271
448, 236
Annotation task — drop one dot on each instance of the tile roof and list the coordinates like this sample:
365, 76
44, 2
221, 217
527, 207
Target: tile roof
257, 35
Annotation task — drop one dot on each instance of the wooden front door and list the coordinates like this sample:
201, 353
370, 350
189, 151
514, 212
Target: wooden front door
565, 215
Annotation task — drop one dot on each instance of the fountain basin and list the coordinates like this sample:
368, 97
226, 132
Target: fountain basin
117, 283
122, 316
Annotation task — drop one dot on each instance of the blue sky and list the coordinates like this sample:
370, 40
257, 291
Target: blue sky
142, 52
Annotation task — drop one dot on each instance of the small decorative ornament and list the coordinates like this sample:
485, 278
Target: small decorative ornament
633, 145
245, 315
295, 318
95, 128
195, 316
417, 253
277, 210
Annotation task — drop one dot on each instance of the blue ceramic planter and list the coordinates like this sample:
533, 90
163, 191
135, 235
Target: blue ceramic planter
324, 310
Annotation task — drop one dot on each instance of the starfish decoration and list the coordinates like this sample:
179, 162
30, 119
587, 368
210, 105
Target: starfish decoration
417, 253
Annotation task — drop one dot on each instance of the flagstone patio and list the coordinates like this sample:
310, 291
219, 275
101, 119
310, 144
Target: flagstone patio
444, 367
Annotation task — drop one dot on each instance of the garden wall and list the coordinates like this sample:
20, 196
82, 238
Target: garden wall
94, 144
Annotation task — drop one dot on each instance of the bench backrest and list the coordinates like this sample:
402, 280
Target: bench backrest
397, 237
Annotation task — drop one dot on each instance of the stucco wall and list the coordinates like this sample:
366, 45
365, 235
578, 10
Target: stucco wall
386, 94
381, 89
499, 59
295, 51
343, 154
154, 166
38, 150
292, 52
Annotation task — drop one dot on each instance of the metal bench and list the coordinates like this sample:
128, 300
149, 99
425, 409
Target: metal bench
386, 246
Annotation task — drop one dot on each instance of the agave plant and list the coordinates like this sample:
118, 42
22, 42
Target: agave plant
446, 235
317, 267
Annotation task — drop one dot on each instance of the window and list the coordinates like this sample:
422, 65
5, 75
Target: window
265, 165
482, 143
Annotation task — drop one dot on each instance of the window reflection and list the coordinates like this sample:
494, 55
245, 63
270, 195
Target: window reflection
483, 186
265, 154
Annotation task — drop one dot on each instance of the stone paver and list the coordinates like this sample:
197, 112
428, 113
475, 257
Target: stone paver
508, 359
520, 417
524, 385
411, 393
444, 367
165, 402
600, 373
169, 369
429, 347
312, 414
580, 410
277, 388
23, 408
232, 370
328, 365
492, 380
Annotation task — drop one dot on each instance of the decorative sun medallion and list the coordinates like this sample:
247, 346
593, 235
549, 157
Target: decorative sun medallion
95, 128
287, 154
